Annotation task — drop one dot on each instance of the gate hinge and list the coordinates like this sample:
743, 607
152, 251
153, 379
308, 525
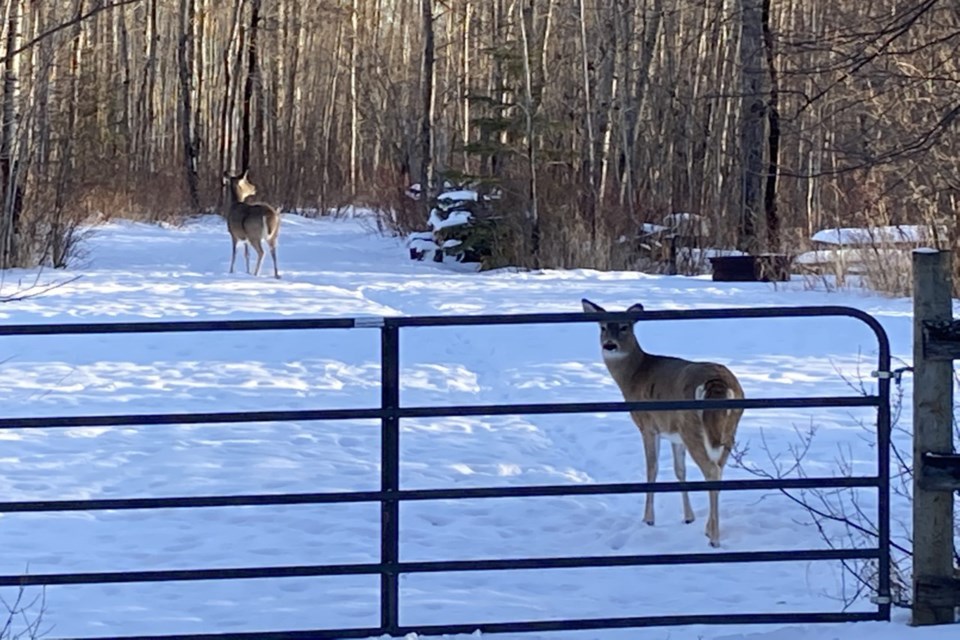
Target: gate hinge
881, 599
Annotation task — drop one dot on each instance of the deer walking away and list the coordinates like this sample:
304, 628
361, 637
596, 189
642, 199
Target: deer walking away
250, 222
707, 434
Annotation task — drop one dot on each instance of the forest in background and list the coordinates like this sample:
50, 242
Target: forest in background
771, 119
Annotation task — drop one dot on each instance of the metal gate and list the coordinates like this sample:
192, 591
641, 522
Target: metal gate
390, 567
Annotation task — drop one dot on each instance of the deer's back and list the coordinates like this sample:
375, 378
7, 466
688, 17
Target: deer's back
664, 378
251, 220
668, 378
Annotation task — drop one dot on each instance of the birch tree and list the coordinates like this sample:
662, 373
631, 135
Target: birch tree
428, 101
751, 121
9, 131
185, 61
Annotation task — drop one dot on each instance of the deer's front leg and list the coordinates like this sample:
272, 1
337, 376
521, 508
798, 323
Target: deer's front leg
651, 450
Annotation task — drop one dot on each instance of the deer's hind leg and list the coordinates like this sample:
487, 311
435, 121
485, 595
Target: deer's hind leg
713, 523
711, 472
272, 243
680, 469
258, 247
233, 253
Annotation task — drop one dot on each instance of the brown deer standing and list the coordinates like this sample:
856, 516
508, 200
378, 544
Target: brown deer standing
707, 434
250, 223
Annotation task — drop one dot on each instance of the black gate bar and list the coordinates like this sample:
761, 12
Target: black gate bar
435, 566
406, 495
315, 415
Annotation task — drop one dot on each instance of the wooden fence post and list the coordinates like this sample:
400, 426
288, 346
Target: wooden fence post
934, 586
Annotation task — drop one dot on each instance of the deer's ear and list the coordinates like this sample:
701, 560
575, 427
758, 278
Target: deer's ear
245, 172
589, 307
634, 308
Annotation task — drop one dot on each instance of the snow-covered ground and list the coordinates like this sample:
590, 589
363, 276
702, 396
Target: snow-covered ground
136, 272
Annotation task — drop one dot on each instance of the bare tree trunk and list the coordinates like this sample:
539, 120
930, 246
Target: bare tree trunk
751, 122
289, 108
58, 232
199, 84
250, 83
146, 106
9, 170
228, 136
635, 103
329, 112
773, 138
606, 104
126, 112
590, 162
497, 88
354, 97
427, 98
42, 144
526, 21
188, 136
466, 72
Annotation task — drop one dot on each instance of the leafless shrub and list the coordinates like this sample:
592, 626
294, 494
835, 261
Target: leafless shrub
396, 202
839, 516
24, 290
156, 197
22, 617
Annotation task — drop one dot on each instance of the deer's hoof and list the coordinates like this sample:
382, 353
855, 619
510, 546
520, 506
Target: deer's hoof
649, 522
688, 520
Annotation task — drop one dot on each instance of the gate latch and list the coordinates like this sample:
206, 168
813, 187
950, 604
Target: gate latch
896, 375
368, 322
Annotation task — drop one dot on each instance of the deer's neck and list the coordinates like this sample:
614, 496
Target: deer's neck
232, 199
626, 368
